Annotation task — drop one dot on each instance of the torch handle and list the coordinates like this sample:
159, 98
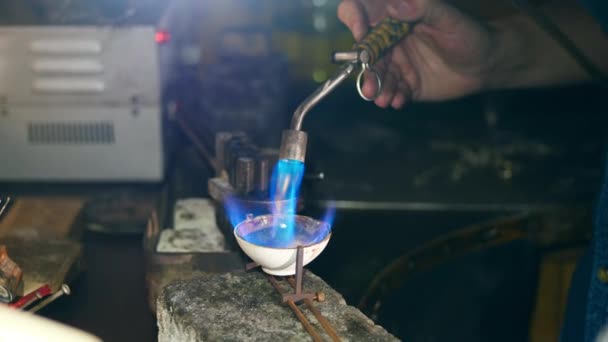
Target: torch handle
382, 38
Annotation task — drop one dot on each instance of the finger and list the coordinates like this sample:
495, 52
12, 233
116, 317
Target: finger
370, 85
398, 101
401, 96
409, 75
353, 15
388, 89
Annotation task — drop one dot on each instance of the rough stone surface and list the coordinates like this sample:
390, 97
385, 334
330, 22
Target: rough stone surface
245, 307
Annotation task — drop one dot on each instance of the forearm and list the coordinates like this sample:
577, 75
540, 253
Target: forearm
525, 55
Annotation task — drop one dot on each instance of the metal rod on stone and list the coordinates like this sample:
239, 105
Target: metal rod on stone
329, 329
299, 314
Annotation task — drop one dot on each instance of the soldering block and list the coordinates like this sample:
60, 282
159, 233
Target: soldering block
189, 241
243, 306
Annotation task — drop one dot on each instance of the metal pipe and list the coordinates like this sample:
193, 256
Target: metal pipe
319, 94
329, 329
345, 56
299, 314
293, 145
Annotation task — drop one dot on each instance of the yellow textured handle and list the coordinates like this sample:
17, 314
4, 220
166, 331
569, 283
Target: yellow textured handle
382, 37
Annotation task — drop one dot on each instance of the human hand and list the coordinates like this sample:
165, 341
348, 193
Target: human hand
446, 55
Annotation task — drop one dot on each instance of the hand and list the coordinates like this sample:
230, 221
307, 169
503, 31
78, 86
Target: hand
447, 54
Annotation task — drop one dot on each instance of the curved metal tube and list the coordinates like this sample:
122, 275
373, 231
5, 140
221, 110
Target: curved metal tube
319, 94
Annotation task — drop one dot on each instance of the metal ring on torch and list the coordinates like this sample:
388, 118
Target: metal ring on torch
365, 67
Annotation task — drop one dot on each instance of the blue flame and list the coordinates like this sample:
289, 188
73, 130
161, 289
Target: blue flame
285, 186
330, 214
284, 191
238, 210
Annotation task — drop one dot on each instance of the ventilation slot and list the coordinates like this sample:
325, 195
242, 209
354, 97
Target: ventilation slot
70, 133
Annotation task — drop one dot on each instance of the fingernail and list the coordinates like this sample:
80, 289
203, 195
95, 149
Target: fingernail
400, 8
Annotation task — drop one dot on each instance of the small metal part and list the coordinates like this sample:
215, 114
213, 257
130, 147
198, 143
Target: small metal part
316, 176
353, 56
360, 80
32, 297
11, 277
64, 290
263, 174
299, 296
293, 145
345, 56
245, 173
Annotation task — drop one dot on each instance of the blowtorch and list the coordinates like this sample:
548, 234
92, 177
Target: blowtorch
363, 55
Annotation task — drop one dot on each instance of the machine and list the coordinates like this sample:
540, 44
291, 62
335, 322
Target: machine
80, 103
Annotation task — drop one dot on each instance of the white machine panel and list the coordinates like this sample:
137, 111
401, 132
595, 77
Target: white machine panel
81, 143
47, 64
80, 104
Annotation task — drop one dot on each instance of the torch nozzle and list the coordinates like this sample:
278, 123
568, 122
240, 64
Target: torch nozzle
293, 145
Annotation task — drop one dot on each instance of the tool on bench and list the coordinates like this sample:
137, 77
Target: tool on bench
11, 277
11, 281
364, 54
64, 290
32, 297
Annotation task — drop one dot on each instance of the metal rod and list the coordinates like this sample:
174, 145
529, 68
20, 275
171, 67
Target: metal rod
299, 314
8, 199
32, 297
197, 143
64, 290
329, 329
314, 98
299, 269
345, 56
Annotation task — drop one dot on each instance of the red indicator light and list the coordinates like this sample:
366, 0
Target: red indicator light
162, 37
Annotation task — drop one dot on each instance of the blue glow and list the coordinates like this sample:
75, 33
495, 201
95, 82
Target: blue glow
330, 214
285, 186
284, 191
238, 210
307, 232
286, 181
